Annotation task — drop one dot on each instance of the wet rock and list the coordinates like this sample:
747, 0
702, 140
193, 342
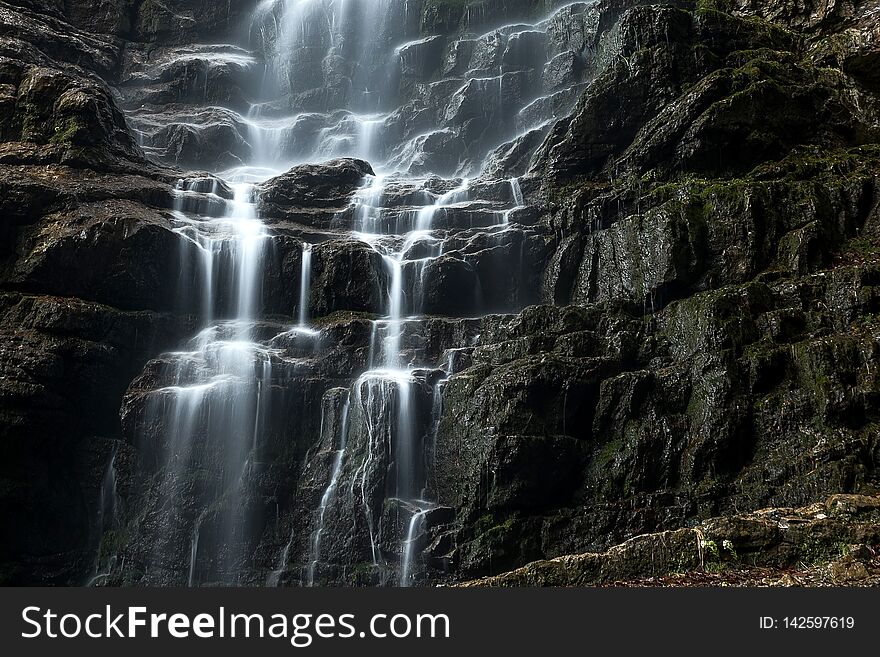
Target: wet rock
116, 17
575, 27
513, 158
524, 49
193, 75
189, 137
621, 98
818, 113
74, 115
717, 350
699, 236
482, 97
651, 44
562, 71
477, 17
53, 366
330, 185
132, 251
543, 110
189, 20
449, 287
349, 275
808, 16
35, 36
856, 49
458, 56
438, 152
421, 58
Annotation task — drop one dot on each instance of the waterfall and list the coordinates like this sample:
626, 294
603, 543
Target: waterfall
516, 192
194, 553
337, 78
390, 407
518, 200
211, 409
416, 525
418, 519
107, 512
375, 408
107, 517
395, 310
330, 491
425, 216
304, 283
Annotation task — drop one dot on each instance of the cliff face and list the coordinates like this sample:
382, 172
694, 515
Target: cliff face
678, 321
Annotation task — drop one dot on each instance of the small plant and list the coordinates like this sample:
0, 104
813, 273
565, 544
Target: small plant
710, 548
727, 546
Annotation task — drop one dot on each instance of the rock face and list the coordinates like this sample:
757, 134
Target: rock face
635, 253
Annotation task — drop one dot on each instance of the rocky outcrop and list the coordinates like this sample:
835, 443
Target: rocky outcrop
613, 394
739, 100
856, 47
833, 543
52, 97
59, 357
326, 188
149, 21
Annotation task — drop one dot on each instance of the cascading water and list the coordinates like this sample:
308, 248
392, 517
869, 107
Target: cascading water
433, 115
208, 415
305, 281
416, 527
329, 493
425, 216
107, 518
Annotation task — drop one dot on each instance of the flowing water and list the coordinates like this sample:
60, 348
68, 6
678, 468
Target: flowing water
431, 120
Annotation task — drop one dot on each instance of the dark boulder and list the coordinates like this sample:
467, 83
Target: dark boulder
330, 185
76, 116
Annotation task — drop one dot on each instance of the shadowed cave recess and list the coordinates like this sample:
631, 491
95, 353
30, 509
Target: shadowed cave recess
417, 292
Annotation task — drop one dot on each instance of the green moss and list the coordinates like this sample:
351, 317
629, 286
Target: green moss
489, 530
772, 31
29, 127
710, 549
363, 569
341, 317
724, 6
812, 166
608, 451
815, 551
503, 528
811, 163
65, 133
866, 247
721, 11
